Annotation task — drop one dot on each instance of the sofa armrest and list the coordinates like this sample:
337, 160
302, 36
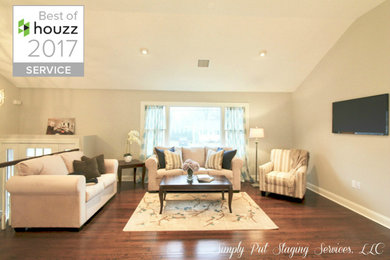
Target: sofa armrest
302, 170
266, 168
300, 181
46, 184
263, 171
111, 165
151, 165
237, 164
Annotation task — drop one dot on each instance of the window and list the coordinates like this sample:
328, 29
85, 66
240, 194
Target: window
31, 152
194, 126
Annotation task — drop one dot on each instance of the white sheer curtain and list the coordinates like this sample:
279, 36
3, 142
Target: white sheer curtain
154, 129
235, 136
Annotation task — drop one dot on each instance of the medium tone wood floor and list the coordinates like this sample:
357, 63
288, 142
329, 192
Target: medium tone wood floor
316, 223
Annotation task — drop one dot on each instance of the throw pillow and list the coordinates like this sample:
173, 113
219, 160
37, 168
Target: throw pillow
227, 158
92, 180
214, 160
88, 167
100, 162
172, 160
161, 156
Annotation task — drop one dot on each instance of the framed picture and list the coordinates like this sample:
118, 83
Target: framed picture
60, 126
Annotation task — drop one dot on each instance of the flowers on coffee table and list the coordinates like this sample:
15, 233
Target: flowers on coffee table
190, 167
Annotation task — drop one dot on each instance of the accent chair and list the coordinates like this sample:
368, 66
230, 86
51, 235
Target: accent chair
285, 174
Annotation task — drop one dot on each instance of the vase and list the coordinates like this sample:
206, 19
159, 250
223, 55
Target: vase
128, 158
189, 175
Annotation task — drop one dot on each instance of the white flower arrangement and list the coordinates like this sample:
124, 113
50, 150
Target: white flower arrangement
132, 137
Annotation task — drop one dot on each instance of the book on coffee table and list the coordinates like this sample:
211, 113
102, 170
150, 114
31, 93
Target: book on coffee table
204, 178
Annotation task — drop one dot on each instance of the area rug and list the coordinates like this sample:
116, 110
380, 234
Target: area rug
198, 211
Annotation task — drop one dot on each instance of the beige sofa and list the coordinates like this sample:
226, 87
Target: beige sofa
197, 154
44, 195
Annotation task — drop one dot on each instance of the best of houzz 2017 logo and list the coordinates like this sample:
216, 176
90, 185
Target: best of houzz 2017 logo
24, 27
48, 41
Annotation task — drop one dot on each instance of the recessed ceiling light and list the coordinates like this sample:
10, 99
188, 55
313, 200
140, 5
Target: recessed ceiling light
144, 51
263, 53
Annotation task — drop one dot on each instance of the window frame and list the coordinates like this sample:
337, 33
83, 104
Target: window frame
167, 105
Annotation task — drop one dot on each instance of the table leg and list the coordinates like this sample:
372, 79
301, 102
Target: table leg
160, 194
230, 198
120, 178
223, 195
143, 174
135, 174
165, 195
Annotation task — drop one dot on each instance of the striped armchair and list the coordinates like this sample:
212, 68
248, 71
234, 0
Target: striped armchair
285, 174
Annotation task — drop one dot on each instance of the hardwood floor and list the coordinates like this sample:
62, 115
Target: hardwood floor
312, 223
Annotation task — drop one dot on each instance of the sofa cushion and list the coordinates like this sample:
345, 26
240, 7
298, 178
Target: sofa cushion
164, 172
100, 162
92, 180
227, 173
228, 156
93, 190
280, 178
196, 154
107, 179
70, 157
172, 160
49, 165
29, 167
214, 160
161, 156
89, 167
281, 159
53, 165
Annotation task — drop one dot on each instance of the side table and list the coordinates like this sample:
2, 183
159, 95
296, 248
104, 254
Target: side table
133, 164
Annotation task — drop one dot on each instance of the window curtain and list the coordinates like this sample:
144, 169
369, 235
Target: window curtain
235, 136
154, 129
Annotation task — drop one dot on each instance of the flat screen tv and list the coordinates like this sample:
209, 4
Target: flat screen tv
363, 116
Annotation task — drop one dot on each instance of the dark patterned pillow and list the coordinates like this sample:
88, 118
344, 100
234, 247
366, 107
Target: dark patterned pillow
88, 167
100, 162
228, 156
161, 156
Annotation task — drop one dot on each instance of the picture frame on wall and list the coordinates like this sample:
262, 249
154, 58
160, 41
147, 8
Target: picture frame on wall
61, 126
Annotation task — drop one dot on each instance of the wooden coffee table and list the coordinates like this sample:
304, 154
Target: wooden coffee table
179, 183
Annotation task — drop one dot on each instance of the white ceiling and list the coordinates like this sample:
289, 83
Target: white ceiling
296, 34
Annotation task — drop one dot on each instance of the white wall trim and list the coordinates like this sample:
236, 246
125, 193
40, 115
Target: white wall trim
365, 212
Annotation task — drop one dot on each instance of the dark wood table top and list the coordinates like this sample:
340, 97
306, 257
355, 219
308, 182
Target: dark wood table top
133, 163
180, 181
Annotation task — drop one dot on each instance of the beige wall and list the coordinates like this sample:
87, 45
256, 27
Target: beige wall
357, 66
110, 114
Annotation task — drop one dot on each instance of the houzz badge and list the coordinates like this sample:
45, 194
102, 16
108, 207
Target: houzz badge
48, 41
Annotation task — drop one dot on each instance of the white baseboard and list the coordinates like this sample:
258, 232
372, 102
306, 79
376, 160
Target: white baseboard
365, 212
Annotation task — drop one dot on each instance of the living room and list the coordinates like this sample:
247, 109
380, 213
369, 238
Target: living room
314, 54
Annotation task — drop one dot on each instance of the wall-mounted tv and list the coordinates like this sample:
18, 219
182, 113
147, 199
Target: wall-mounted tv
364, 116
